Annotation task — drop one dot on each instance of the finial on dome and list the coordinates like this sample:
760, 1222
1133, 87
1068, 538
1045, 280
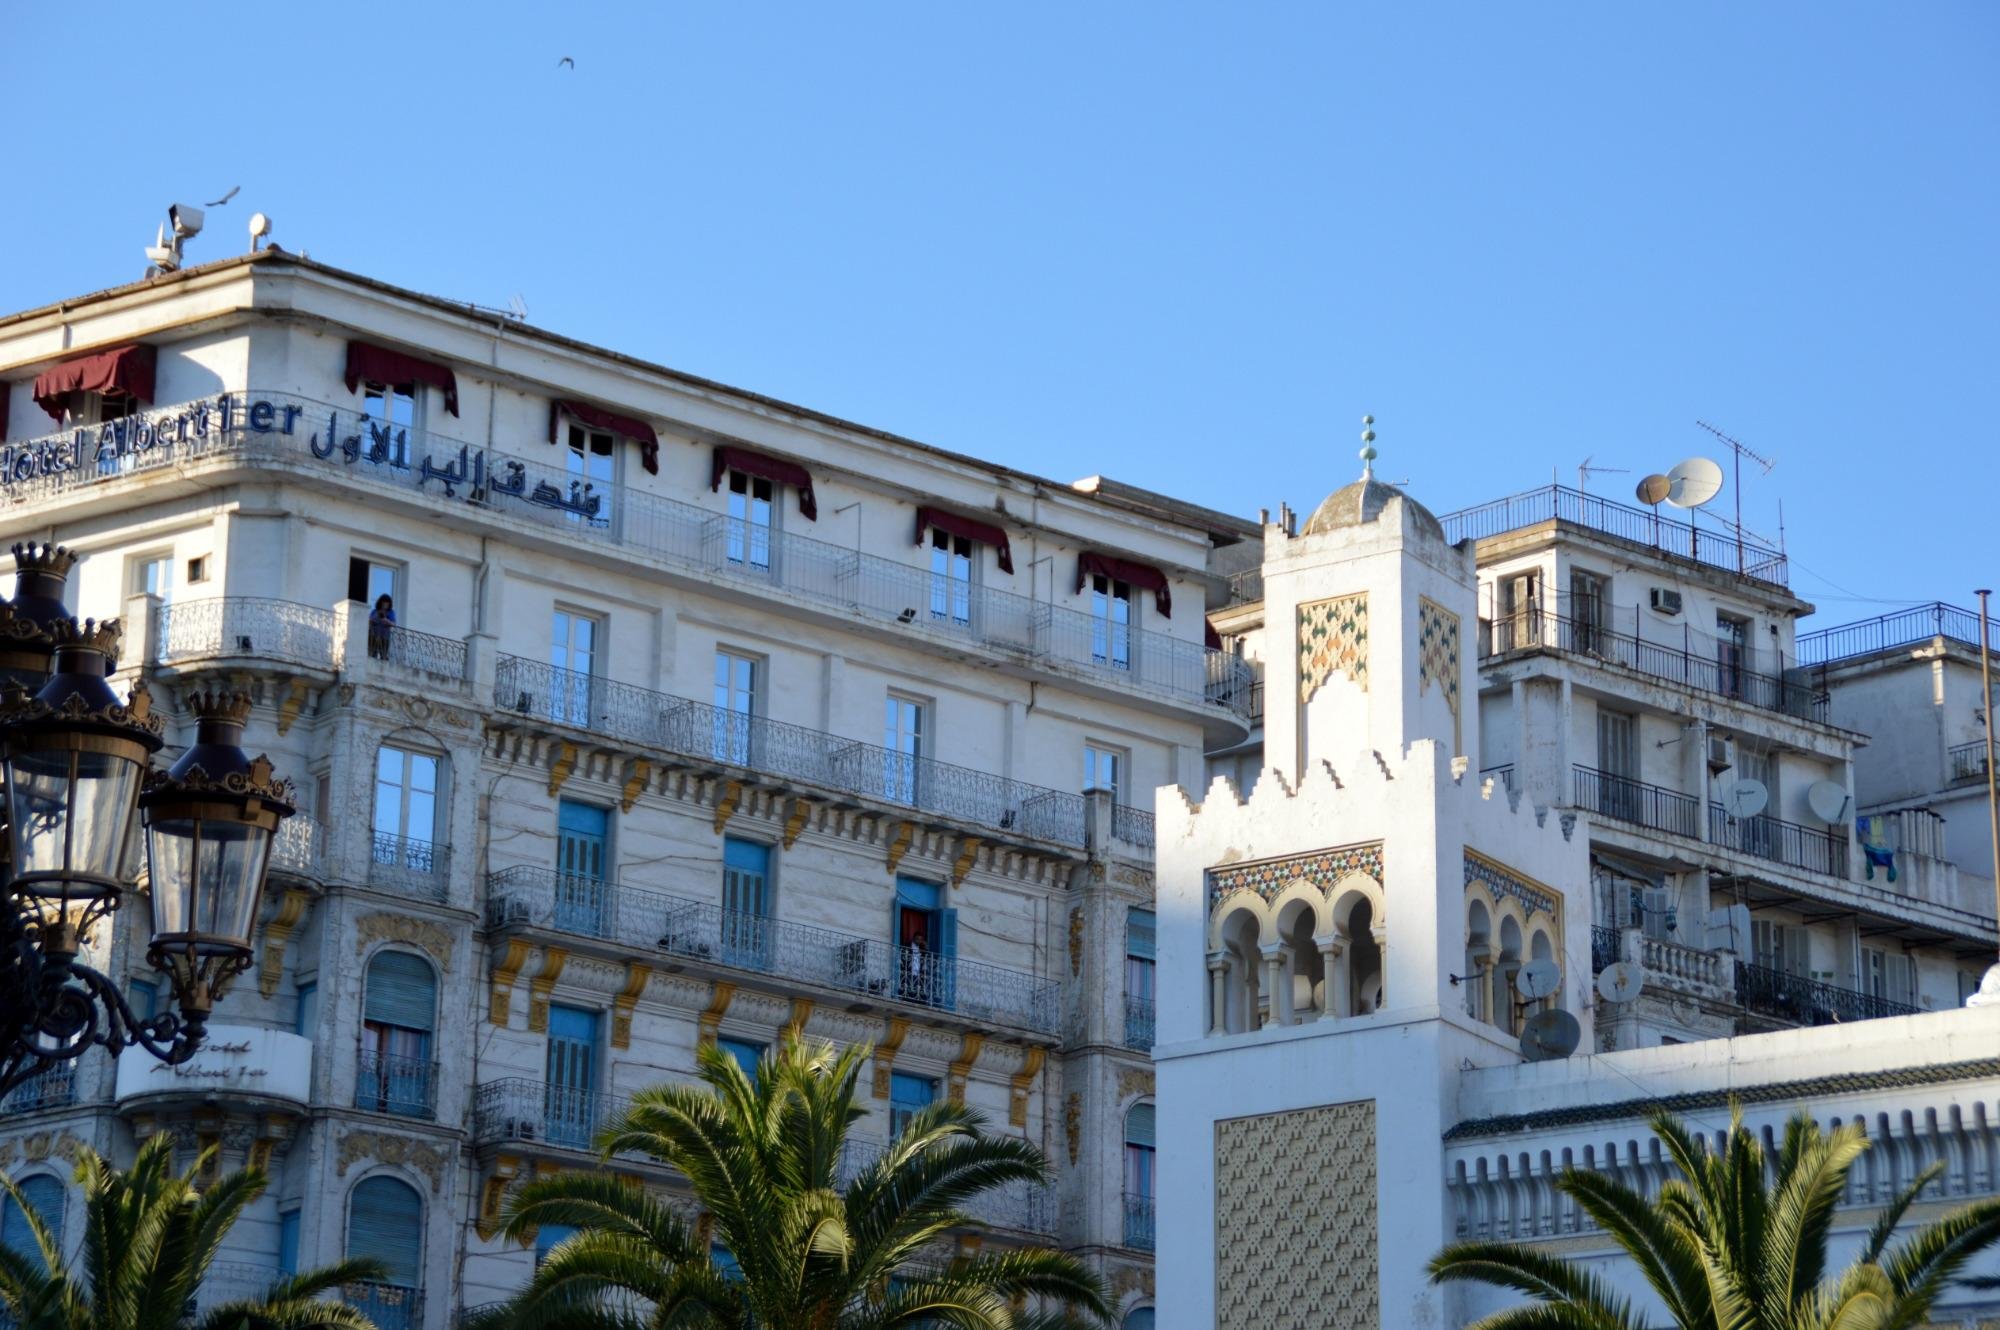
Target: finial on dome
1368, 447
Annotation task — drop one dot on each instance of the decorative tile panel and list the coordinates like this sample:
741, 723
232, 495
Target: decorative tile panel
1295, 1224
1437, 650
1502, 881
1333, 639
1323, 869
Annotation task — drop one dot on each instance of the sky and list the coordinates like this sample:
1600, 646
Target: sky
1183, 246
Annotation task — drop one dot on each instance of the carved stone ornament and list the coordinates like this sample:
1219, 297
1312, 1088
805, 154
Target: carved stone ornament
40, 1146
422, 1156
1073, 1124
434, 938
1134, 1082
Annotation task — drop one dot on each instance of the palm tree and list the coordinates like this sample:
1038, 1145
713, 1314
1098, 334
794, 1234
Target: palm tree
1733, 1244
149, 1238
781, 1245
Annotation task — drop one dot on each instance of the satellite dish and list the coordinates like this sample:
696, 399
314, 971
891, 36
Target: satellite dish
1620, 982
1693, 482
1552, 1034
1654, 489
1745, 798
1537, 979
1828, 800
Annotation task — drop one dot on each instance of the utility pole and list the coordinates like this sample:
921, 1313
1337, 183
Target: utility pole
1986, 709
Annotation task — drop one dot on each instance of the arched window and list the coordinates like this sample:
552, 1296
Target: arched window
1478, 955
1139, 1318
44, 1194
399, 1013
385, 1222
1139, 1176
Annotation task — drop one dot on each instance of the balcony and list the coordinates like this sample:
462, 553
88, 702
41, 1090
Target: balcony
1967, 761
694, 931
245, 627
54, 1088
234, 1281
1606, 947
299, 847
1139, 1023
405, 1087
1683, 663
529, 491
389, 1306
518, 1110
710, 735
411, 867
1904, 628
1643, 805
1134, 826
1138, 1221
1802, 1001
1681, 968
1639, 526
440, 658
1813, 849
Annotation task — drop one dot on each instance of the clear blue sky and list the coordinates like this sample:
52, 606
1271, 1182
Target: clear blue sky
1183, 246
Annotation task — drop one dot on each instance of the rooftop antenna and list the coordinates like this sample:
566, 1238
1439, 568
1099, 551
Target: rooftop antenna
518, 306
1739, 451
1584, 471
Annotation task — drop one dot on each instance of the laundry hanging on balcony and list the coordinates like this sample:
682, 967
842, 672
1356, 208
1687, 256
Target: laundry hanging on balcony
128, 370
598, 418
1877, 846
1142, 575
971, 528
368, 363
779, 470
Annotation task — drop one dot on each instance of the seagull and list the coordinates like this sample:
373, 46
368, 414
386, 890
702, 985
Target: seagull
566, 60
217, 203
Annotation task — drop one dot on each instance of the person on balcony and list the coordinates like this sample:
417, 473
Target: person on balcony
380, 620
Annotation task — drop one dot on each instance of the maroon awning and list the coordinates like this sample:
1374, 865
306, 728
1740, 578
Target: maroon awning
367, 363
971, 528
598, 418
753, 463
1210, 638
1142, 575
129, 370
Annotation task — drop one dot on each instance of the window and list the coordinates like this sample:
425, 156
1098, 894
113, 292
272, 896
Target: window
574, 643
44, 1195
1519, 620
593, 462
305, 1016
288, 1242
144, 995
153, 575
583, 854
907, 1094
746, 903
1139, 1176
751, 515
926, 937
87, 408
391, 404
367, 580
1110, 622
1104, 769
1618, 793
1780, 947
736, 681
1732, 638
399, 1013
385, 1223
571, 1085
406, 796
1587, 601
951, 577
747, 1054
1889, 975
903, 736
1139, 956
548, 1237
198, 568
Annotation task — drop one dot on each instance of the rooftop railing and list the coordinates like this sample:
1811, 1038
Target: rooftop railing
1814, 849
698, 931
251, 626
1717, 549
713, 734
1633, 801
1805, 1001
1918, 624
541, 492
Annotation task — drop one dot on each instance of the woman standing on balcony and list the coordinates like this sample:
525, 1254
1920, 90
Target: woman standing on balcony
380, 620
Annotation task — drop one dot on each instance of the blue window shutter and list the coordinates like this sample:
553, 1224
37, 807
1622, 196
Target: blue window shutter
550, 1236
307, 1018
947, 940
1139, 1126
385, 1221
947, 932
44, 1195
916, 893
747, 1054
1139, 934
288, 1242
746, 856
402, 991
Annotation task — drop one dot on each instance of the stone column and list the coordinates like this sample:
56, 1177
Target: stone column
1218, 990
1330, 950
1380, 932
1277, 1001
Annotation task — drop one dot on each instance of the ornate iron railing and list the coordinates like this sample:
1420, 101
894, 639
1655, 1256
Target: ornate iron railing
1138, 1221
406, 1087
389, 1306
1717, 549
1810, 848
698, 931
1134, 826
1606, 947
1968, 761
1919, 623
1685, 663
235, 1281
54, 1088
1637, 802
529, 489
441, 658
1808, 1001
713, 734
520, 1109
299, 846
1138, 1023
255, 627
404, 864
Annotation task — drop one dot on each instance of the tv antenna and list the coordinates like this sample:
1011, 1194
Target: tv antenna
1739, 450
1584, 471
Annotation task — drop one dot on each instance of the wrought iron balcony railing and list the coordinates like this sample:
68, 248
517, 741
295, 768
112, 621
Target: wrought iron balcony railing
698, 931
1606, 947
521, 1110
1717, 549
299, 847
406, 1087
415, 867
1134, 826
712, 734
441, 658
54, 1088
1811, 848
1138, 1221
389, 1306
1968, 761
1685, 662
1808, 1001
1920, 623
1139, 1023
1637, 802
235, 1281
245, 626
529, 489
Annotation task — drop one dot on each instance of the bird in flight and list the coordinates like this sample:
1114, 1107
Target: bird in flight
217, 203
566, 60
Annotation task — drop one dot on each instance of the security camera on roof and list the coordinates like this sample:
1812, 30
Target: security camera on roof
186, 219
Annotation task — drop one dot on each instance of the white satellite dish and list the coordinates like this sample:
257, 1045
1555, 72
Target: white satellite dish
1537, 979
1552, 1034
1620, 982
1745, 798
1693, 482
1828, 800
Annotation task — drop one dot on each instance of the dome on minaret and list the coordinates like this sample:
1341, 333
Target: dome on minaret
1363, 501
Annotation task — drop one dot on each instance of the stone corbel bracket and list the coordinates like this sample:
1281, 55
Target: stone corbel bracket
277, 934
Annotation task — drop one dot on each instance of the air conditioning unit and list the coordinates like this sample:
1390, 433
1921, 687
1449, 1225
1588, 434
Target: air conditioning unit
1719, 756
1666, 600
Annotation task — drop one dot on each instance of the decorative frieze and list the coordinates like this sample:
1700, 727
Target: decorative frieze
432, 938
1503, 881
1323, 868
385, 1148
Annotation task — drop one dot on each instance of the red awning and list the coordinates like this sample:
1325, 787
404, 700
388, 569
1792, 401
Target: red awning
1142, 575
128, 370
970, 527
753, 463
598, 418
1210, 638
367, 363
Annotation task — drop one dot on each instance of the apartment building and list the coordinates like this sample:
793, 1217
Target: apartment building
701, 718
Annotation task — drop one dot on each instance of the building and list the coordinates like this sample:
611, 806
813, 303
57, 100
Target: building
1340, 1056
702, 718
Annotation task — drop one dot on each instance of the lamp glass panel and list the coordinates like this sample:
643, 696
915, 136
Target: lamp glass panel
74, 814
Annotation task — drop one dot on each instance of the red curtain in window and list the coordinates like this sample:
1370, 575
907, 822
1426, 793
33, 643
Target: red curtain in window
129, 370
969, 527
1142, 575
765, 467
367, 363
598, 418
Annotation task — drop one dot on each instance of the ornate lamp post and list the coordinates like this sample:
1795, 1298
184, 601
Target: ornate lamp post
73, 762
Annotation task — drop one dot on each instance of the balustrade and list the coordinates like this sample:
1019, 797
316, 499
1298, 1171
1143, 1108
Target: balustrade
256, 627
404, 1086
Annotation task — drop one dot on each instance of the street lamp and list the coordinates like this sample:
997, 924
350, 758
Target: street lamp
73, 765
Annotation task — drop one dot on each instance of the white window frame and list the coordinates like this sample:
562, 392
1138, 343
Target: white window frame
1111, 634
955, 576
908, 724
580, 450
405, 786
137, 565
1094, 755
754, 505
